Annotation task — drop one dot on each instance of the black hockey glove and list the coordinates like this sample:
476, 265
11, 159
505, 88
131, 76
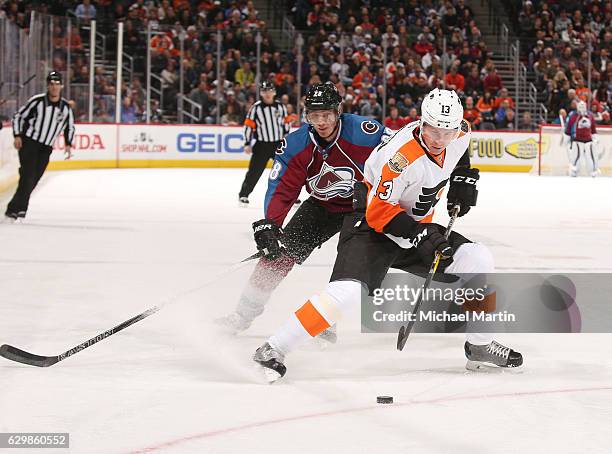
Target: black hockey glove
462, 190
360, 197
267, 238
429, 238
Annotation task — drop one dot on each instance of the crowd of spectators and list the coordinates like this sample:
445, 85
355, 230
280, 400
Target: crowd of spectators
347, 48
197, 21
557, 36
344, 44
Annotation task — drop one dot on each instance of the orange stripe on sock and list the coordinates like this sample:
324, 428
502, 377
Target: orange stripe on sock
487, 304
311, 319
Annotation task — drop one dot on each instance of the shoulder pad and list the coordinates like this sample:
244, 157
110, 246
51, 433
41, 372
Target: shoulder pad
361, 130
294, 142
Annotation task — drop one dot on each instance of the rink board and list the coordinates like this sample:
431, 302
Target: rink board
152, 146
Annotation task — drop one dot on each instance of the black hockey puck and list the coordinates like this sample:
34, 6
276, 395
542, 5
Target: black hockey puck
384, 400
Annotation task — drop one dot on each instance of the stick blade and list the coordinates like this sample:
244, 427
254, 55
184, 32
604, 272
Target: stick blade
21, 356
402, 336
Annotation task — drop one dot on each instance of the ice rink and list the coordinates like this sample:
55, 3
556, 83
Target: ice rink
100, 246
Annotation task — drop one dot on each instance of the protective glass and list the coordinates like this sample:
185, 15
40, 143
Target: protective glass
321, 117
439, 136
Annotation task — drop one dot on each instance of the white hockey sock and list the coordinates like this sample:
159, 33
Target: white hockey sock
317, 314
289, 336
473, 258
479, 338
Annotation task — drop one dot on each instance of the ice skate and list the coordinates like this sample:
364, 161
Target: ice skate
11, 218
243, 201
270, 360
233, 323
491, 355
327, 337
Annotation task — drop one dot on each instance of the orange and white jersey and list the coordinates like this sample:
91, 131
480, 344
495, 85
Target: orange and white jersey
403, 177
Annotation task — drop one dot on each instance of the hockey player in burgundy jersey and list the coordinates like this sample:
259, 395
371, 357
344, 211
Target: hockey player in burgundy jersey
326, 156
580, 127
405, 178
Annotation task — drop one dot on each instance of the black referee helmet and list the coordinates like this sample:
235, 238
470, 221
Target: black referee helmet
266, 85
54, 76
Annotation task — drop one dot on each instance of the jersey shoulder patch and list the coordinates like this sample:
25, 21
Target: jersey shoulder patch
407, 150
361, 130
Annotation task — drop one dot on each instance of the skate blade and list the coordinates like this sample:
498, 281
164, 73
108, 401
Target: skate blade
268, 375
326, 341
479, 366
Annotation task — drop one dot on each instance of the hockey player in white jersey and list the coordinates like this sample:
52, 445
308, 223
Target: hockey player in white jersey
582, 132
405, 178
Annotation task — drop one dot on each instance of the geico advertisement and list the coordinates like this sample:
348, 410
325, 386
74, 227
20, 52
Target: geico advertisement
504, 148
109, 142
184, 142
91, 142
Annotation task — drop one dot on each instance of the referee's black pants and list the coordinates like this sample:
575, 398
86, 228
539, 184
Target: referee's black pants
33, 159
262, 152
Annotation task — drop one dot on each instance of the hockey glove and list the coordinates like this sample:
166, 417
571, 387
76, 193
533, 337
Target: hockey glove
360, 197
267, 238
462, 190
429, 239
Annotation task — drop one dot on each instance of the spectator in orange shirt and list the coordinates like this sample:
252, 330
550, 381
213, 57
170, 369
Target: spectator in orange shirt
454, 80
394, 121
472, 114
363, 79
485, 106
582, 92
503, 96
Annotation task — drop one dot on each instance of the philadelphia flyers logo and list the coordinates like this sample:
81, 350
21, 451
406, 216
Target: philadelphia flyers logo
369, 127
428, 199
332, 182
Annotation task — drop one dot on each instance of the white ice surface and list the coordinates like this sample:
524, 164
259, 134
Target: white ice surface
100, 246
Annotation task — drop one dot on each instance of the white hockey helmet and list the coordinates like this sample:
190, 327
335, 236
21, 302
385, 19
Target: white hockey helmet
442, 109
581, 107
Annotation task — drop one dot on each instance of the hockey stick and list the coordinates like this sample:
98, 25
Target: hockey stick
19, 87
21, 356
404, 331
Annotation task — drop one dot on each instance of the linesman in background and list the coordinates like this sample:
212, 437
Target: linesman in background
36, 125
266, 124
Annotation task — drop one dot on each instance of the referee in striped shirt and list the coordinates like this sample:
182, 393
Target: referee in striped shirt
35, 127
267, 124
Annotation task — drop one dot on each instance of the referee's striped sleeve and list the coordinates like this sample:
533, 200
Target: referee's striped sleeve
250, 125
22, 114
69, 130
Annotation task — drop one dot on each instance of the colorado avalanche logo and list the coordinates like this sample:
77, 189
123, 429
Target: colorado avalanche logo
332, 182
584, 122
369, 127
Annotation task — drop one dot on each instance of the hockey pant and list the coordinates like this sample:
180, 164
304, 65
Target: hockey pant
310, 227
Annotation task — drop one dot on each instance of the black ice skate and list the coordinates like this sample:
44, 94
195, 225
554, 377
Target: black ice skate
493, 354
271, 362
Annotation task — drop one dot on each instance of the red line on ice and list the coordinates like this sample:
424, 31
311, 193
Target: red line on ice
271, 422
